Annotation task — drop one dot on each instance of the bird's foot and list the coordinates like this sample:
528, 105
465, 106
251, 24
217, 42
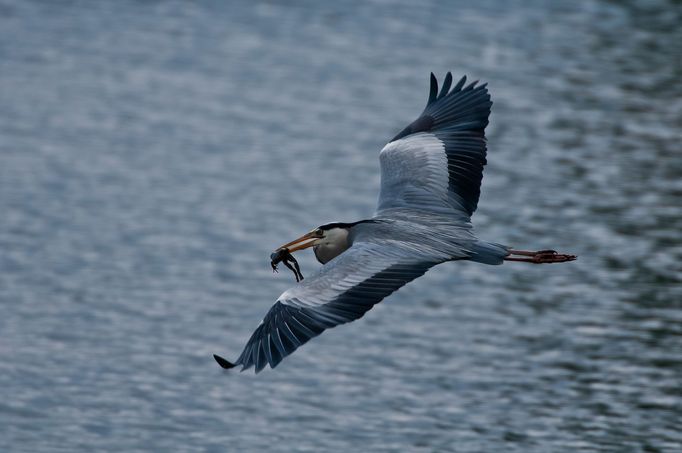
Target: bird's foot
540, 257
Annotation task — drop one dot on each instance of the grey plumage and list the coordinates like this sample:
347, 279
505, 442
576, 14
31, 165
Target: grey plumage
457, 119
344, 290
430, 186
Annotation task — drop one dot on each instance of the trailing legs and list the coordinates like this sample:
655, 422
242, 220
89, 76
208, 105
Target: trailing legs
539, 257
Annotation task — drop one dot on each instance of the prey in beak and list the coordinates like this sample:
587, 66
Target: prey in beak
283, 253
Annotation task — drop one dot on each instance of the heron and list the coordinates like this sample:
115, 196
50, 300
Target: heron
431, 174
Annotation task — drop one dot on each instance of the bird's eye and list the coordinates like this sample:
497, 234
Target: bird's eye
319, 233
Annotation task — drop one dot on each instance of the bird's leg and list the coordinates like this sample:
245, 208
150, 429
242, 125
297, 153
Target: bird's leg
539, 257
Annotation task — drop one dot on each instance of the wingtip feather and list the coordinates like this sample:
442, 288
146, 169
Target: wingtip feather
460, 84
225, 364
446, 85
434, 89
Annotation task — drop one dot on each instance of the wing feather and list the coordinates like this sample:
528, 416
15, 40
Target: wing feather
435, 164
445, 147
343, 291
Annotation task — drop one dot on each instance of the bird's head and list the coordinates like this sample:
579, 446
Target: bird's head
328, 241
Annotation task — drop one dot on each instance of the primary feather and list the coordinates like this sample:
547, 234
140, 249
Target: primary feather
430, 185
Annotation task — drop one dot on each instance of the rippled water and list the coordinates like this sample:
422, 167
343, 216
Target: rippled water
154, 153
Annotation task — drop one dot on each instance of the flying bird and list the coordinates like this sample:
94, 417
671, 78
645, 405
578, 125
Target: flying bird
431, 175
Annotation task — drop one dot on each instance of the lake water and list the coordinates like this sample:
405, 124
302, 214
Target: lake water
152, 154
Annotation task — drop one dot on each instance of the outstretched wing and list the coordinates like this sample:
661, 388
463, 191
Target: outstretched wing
436, 163
342, 291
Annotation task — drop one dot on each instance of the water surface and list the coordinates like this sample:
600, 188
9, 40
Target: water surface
152, 154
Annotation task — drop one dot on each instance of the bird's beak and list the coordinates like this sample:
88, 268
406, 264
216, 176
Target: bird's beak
305, 241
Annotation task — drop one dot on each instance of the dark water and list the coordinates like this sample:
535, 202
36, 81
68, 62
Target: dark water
154, 153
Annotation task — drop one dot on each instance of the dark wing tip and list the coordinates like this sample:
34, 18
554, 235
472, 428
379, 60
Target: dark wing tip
446, 85
223, 363
471, 86
433, 93
460, 84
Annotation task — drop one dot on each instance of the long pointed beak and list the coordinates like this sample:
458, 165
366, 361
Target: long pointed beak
305, 241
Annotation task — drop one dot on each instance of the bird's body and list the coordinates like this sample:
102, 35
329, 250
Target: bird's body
430, 184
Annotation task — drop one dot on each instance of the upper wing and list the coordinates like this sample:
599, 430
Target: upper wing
436, 163
342, 291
